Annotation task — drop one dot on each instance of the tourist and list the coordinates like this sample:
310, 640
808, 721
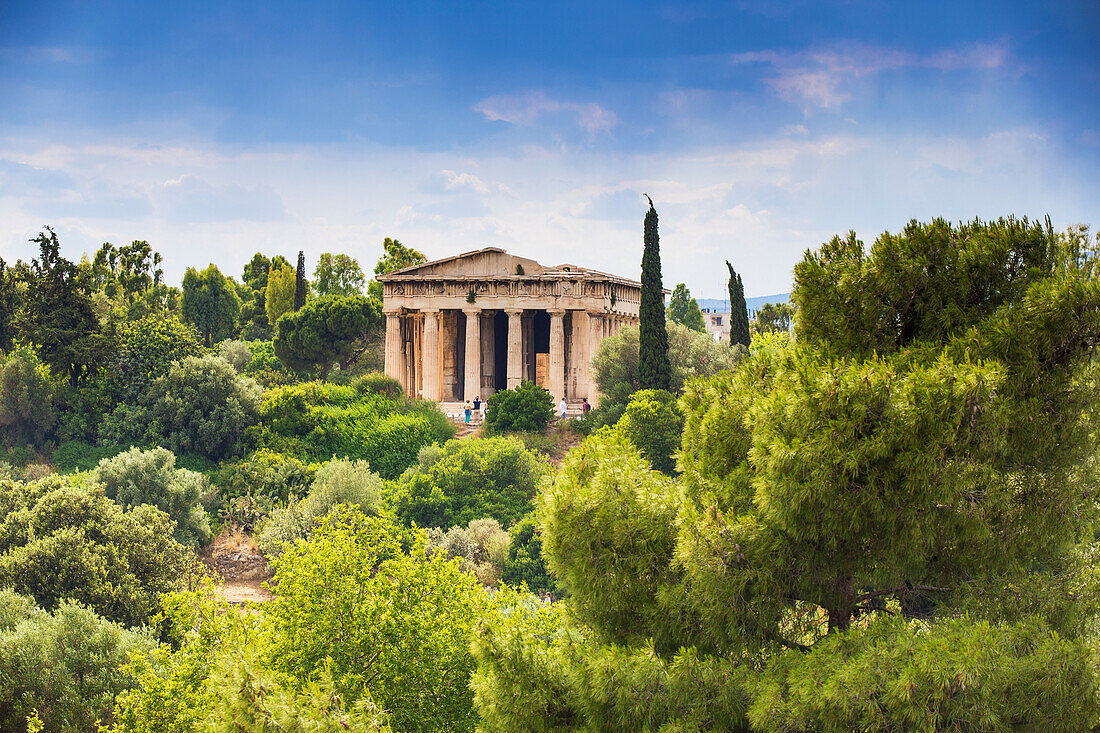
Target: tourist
467, 412
586, 407
477, 404
562, 407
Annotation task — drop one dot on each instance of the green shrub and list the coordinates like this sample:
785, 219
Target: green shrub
481, 547
76, 455
524, 563
393, 625
200, 406
62, 540
265, 473
150, 477
379, 384
214, 676
65, 666
654, 423
316, 421
528, 407
337, 482
27, 411
469, 479
237, 353
147, 348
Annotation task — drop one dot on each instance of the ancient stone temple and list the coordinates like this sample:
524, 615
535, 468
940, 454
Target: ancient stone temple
475, 323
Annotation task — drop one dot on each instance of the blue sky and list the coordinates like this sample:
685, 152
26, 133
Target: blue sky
218, 130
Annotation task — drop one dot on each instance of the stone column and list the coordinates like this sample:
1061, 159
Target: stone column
430, 356
472, 368
557, 353
395, 348
515, 346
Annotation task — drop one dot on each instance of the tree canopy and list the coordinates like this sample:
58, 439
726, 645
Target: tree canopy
773, 318
899, 497
395, 256
57, 313
210, 303
325, 331
338, 274
279, 294
683, 309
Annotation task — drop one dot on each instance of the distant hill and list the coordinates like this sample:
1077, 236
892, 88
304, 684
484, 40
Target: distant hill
716, 305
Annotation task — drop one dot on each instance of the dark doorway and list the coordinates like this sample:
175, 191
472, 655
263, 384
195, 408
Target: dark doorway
500, 351
542, 332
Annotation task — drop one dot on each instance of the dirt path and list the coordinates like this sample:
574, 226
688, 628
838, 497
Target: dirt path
238, 563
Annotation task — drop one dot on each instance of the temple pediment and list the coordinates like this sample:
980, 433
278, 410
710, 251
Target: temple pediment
483, 263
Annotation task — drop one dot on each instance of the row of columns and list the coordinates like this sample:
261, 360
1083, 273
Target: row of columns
430, 359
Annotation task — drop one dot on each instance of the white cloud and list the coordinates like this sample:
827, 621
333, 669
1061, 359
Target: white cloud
820, 77
525, 109
452, 181
757, 204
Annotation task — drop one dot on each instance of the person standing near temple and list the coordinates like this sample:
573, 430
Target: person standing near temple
562, 407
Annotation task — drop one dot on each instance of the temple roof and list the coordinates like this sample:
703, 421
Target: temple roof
495, 263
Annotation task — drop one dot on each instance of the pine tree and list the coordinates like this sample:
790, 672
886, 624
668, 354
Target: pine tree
300, 283
739, 313
653, 365
882, 524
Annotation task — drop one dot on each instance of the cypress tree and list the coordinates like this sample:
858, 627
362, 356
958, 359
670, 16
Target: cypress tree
653, 366
300, 282
739, 313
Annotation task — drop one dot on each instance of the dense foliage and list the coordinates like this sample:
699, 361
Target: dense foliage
216, 677
338, 274
62, 539
279, 293
653, 422
146, 349
654, 371
683, 309
199, 406
691, 354
210, 303
875, 526
773, 318
27, 411
316, 421
328, 330
64, 667
57, 314
383, 622
337, 482
139, 477
527, 407
524, 564
468, 479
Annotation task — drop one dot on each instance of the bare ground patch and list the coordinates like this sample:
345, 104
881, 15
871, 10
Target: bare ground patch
240, 567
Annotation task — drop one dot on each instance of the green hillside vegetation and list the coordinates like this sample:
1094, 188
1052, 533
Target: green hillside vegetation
880, 516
